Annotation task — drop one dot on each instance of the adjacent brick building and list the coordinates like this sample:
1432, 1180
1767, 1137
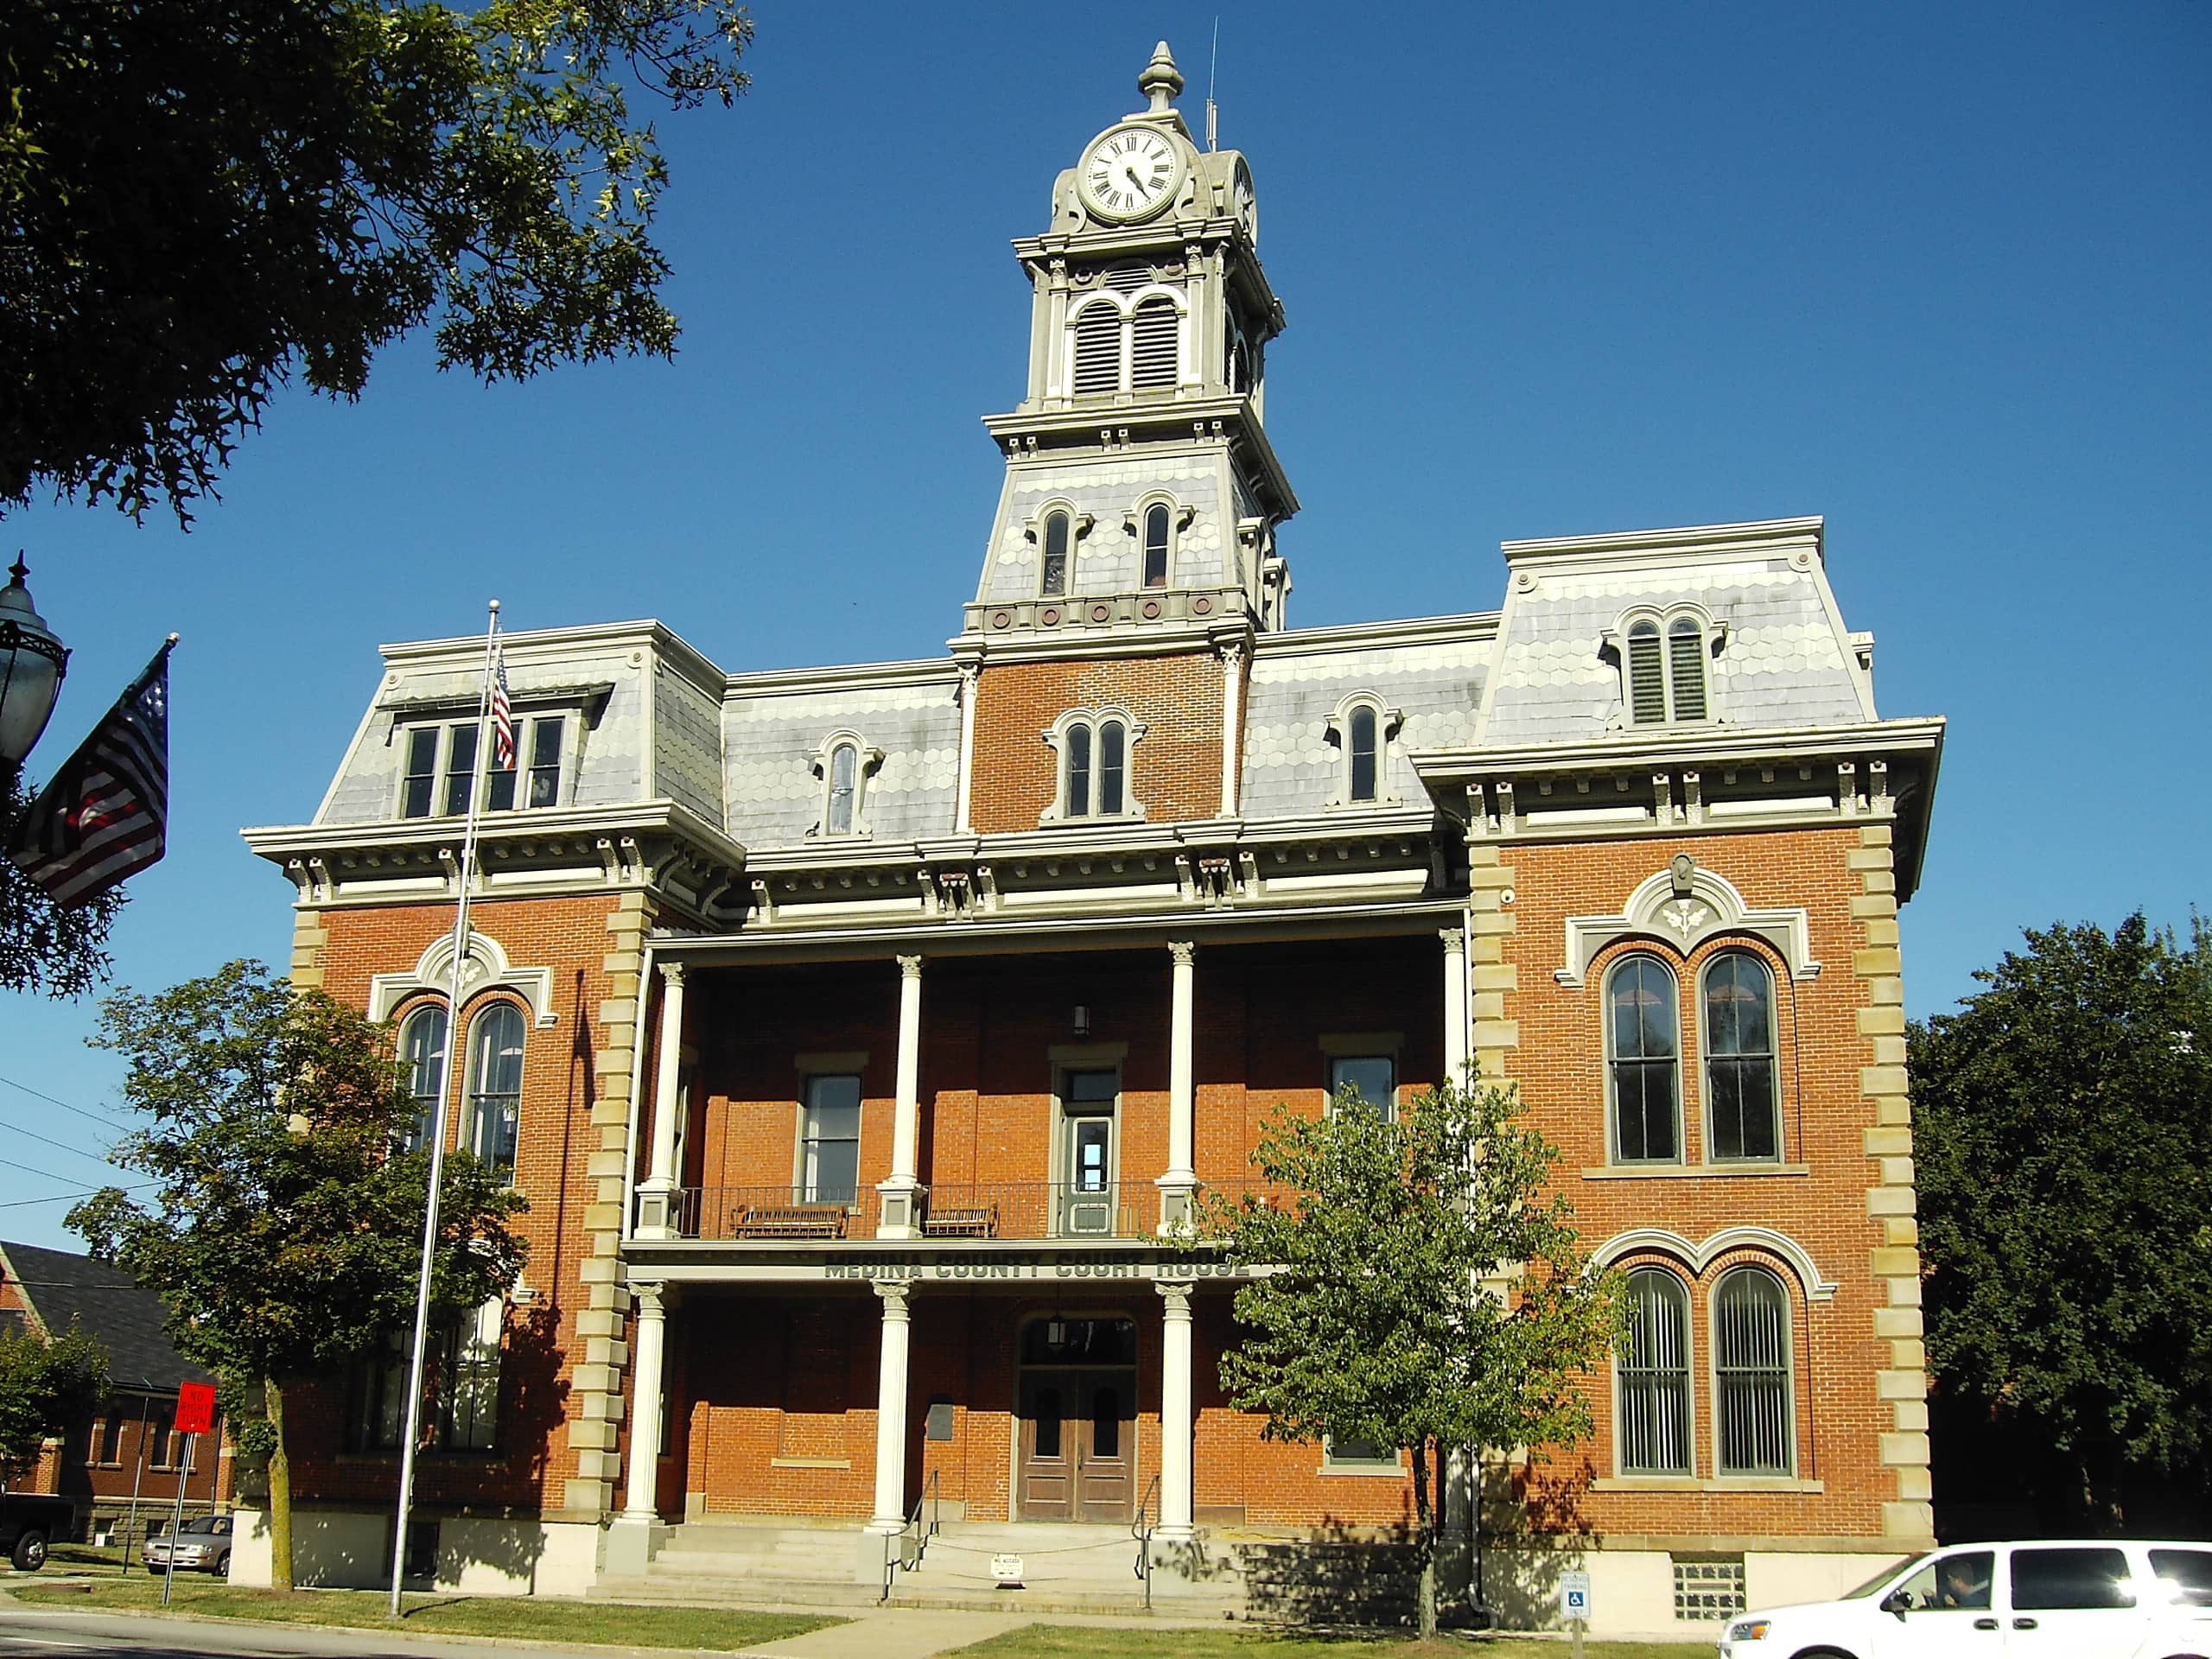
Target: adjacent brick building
860, 1033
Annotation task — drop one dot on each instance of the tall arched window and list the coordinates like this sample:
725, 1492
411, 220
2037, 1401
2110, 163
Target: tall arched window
1652, 1377
1686, 668
1753, 1414
1742, 1101
1361, 751
495, 1039
844, 777
1113, 767
1079, 790
1156, 520
1055, 581
1098, 348
1155, 360
1645, 1061
423, 1052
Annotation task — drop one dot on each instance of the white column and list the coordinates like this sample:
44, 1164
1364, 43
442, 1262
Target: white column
1456, 1030
1181, 1180
891, 1410
898, 1220
970, 675
1232, 693
1175, 1416
657, 1215
643, 1467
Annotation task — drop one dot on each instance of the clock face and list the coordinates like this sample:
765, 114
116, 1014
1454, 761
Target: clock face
1130, 172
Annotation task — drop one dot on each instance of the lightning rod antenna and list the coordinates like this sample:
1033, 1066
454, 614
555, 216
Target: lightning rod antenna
1213, 140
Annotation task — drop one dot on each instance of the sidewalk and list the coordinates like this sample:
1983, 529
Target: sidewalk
918, 1632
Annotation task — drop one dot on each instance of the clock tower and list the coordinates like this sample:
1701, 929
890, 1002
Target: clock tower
1141, 496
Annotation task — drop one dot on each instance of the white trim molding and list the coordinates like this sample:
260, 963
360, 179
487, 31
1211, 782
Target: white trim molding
1699, 1257
485, 967
1683, 910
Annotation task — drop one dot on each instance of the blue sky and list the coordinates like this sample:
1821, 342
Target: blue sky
1940, 274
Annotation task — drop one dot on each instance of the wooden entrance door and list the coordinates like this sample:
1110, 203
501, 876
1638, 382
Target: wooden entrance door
1079, 1444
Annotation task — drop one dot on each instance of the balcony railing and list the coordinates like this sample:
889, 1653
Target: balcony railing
1011, 1209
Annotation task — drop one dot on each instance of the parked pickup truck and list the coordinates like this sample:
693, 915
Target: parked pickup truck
28, 1521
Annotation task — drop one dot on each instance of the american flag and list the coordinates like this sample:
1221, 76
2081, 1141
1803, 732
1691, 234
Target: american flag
102, 819
503, 716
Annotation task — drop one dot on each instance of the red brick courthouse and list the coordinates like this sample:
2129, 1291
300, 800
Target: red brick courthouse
859, 1034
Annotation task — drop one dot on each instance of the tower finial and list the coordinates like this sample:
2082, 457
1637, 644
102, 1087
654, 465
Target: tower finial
1162, 79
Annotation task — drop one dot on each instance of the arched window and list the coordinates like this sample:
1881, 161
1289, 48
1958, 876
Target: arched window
1079, 789
1156, 522
1686, 668
1360, 748
844, 777
423, 1052
1645, 1061
1155, 358
1098, 348
1742, 1101
1753, 1414
1056, 554
1652, 1377
1647, 675
495, 1039
1113, 767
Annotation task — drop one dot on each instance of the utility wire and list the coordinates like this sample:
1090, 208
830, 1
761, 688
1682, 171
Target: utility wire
64, 1198
44, 1174
98, 1117
60, 1146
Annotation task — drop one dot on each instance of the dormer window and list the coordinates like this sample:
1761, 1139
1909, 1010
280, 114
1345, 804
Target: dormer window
1157, 528
1362, 730
1094, 745
442, 763
845, 764
1664, 662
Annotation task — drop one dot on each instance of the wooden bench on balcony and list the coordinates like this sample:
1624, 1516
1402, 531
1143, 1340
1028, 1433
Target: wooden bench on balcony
962, 1221
789, 1221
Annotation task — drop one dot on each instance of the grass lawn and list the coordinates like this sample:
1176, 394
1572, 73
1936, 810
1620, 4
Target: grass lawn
1086, 1642
541, 1618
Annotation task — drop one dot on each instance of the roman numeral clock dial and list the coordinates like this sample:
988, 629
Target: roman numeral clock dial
1128, 173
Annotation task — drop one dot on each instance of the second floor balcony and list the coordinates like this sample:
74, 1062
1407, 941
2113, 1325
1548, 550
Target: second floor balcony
998, 1209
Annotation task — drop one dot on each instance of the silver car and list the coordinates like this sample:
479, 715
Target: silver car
2048, 1599
203, 1545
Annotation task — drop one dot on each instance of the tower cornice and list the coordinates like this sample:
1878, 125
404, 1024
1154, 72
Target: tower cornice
1223, 420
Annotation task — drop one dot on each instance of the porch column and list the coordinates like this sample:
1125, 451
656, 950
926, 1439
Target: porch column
901, 1189
629, 1539
1178, 1185
657, 1204
1455, 1004
1175, 1417
891, 1410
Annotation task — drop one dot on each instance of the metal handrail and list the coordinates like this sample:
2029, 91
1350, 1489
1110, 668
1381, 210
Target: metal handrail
914, 1538
1141, 1529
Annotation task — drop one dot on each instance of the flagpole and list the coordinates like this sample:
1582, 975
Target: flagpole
479, 781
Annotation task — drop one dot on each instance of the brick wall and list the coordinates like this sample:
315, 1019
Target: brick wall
1174, 769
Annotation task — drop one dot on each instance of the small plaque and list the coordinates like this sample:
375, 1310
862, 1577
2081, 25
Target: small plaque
938, 1424
1007, 1570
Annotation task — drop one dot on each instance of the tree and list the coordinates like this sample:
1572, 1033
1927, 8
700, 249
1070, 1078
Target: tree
43, 947
286, 1231
202, 197
2063, 1130
1372, 1323
45, 1386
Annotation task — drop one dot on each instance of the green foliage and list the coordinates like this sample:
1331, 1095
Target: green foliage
43, 948
199, 199
1371, 1324
45, 1389
285, 1234
2062, 1129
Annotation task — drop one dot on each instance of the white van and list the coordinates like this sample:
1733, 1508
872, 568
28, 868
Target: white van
2051, 1598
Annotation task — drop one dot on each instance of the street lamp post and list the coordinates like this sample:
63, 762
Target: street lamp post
31, 662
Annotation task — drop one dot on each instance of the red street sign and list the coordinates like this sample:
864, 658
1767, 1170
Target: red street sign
195, 1407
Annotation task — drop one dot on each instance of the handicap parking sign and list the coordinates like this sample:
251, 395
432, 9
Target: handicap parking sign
1574, 1596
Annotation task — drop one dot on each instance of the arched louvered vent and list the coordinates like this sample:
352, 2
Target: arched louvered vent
1686, 667
1126, 279
1647, 685
1098, 348
1154, 356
